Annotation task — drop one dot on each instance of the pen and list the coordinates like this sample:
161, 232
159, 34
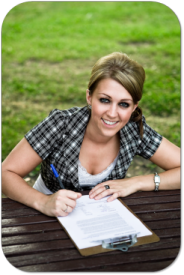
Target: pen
57, 176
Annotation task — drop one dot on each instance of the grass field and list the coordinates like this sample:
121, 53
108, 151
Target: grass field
48, 49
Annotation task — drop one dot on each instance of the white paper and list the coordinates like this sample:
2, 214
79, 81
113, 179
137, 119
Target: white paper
95, 220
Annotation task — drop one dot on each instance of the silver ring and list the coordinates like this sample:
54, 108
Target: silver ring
107, 186
66, 209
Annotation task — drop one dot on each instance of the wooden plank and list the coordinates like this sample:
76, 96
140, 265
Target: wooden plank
155, 207
147, 194
53, 256
27, 220
111, 260
164, 224
29, 248
172, 215
166, 233
65, 254
152, 200
164, 243
137, 267
30, 229
19, 212
33, 238
7, 200
12, 206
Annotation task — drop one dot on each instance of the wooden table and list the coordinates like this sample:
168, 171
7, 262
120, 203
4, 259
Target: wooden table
37, 243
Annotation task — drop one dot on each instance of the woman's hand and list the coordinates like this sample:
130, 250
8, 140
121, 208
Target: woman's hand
61, 203
118, 188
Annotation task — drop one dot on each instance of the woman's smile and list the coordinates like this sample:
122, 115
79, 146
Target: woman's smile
109, 123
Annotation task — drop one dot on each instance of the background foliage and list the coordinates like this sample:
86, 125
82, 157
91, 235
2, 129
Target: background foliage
48, 49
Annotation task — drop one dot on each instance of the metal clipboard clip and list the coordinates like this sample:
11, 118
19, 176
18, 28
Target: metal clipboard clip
121, 245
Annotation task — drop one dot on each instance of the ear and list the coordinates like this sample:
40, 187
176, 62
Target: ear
135, 106
88, 97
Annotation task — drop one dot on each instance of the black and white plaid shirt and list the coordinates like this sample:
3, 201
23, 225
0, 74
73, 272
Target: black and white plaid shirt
58, 138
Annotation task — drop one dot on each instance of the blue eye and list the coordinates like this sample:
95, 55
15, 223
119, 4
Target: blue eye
124, 104
104, 100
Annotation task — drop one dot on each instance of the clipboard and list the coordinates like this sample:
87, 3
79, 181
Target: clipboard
123, 245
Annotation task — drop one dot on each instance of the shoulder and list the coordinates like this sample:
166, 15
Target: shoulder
70, 119
56, 120
150, 142
63, 113
149, 132
131, 131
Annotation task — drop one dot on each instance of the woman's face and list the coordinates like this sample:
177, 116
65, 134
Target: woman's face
111, 107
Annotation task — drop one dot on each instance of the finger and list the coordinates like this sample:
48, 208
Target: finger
70, 194
98, 191
96, 188
60, 212
79, 195
101, 186
113, 197
69, 202
103, 194
67, 209
64, 211
73, 195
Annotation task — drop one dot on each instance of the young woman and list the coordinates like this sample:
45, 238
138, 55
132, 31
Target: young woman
92, 147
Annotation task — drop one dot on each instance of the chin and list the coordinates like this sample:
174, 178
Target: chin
109, 133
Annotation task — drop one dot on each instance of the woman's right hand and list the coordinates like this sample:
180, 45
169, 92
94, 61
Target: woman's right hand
59, 202
14, 186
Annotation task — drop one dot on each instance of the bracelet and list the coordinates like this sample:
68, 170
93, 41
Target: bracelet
156, 181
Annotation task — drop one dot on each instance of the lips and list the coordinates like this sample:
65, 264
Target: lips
109, 122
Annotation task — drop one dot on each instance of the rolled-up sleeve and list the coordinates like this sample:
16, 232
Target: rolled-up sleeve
46, 134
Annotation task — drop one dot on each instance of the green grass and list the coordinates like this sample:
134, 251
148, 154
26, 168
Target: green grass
48, 49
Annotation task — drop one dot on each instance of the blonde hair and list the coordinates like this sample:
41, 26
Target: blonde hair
127, 72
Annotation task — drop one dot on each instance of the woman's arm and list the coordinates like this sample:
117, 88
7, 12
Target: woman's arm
167, 157
22, 160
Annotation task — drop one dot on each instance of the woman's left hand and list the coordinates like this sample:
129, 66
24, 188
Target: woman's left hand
118, 188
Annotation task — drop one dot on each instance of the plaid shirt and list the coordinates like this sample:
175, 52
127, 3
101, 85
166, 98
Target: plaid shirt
58, 138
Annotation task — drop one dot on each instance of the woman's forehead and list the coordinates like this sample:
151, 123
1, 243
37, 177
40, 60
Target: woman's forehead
111, 88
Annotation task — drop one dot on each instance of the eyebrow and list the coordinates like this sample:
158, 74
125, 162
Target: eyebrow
127, 99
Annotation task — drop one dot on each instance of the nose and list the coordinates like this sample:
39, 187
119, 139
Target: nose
112, 111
